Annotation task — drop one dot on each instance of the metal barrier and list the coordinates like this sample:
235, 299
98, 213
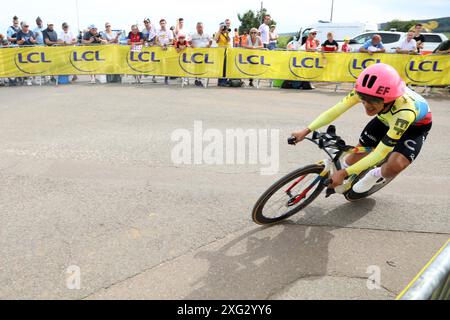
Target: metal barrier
433, 282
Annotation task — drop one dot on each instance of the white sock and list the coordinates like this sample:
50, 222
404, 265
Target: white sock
377, 173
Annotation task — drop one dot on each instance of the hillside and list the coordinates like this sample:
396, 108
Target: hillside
444, 24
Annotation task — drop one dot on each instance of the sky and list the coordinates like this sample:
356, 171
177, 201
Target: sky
289, 14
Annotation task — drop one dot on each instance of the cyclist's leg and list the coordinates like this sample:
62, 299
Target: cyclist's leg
371, 136
406, 151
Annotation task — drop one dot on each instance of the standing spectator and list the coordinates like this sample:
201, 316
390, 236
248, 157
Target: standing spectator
253, 42
93, 37
164, 39
25, 37
38, 31
136, 39
346, 46
179, 28
66, 36
264, 30
330, 45
375, 45
13, 31
409, 45
180, 45
418, 37
110, 36
236, 39
273, 38
312, 44
244, 37
222, 38
228, 24
149, 32
200, 40
50, 35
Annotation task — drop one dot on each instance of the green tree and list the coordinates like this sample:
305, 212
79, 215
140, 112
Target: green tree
401, 26
252, 19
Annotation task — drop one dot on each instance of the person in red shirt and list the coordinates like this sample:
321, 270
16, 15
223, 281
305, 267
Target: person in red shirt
181, 44
345, 46
135, 37
330, 45
312, 43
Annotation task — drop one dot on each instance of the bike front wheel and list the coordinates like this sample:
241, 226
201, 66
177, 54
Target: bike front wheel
289, 195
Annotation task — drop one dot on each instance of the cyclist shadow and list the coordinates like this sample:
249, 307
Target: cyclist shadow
257, 264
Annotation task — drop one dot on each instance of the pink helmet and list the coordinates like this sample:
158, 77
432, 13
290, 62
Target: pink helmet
381, 81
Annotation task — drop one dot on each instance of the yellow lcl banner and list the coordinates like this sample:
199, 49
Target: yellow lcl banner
209, 63
110, 59
333, 67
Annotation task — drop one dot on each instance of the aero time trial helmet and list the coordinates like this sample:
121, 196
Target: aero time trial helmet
381, 81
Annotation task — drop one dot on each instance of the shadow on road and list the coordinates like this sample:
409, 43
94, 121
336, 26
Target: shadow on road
262, 261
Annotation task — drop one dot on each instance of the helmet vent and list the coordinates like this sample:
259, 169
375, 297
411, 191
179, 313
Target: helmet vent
369, 81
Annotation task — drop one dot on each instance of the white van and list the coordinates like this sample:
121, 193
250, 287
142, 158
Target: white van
393, 40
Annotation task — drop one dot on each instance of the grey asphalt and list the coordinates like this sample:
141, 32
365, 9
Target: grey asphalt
87, 180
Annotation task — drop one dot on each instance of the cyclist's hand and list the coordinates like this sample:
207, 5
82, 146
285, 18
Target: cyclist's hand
338, 179
301, 135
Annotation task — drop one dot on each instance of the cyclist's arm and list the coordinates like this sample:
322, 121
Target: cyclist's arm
398, 126
332, 114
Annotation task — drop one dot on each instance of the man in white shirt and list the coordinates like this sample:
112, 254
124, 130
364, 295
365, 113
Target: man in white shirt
264, 29
164, 39
200, 40
409, 46
67, 36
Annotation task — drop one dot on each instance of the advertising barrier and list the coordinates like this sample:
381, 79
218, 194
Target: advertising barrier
428, 70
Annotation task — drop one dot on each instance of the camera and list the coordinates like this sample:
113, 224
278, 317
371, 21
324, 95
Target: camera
225, 28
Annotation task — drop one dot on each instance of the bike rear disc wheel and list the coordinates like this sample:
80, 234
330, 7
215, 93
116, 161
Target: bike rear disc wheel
305, 186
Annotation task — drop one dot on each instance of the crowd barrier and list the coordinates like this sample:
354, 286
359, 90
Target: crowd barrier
235, 63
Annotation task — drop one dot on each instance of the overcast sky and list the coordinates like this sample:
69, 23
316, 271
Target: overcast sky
289, 14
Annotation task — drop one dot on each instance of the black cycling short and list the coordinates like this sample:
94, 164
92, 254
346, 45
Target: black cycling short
409, 144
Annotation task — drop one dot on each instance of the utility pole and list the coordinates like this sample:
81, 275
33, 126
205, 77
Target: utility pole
332, 9
78, 15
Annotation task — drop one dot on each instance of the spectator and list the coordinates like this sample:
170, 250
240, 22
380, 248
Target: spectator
164, 39
180, 45
66, 36
273, 38
409, 46
136, 39
92, 36
330, 45
149, 32
443, 48
312, 44
244, 37
228, 24
200, 40
222, 38
253, 42
418, 37
110, 36
38, 31
25, 37
13, 31
346, 46
3, 41
236, 38
373, 46
50, 35
264, 30
179, 28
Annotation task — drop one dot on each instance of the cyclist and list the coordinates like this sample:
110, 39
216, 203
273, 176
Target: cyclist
403, 121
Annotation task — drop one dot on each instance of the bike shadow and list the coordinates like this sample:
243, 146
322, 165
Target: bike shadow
260, 262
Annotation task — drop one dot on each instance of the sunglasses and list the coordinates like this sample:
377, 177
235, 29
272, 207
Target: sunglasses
253, 32
107, 26
370, 99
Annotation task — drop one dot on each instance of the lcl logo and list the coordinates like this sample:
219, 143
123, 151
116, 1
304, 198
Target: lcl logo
143, 62
313, 65
82, 60
195, 63
252, 65
356, 66
25, 60
424, 71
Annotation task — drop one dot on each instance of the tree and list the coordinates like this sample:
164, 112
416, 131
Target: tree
401, 26
250, 19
